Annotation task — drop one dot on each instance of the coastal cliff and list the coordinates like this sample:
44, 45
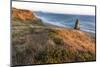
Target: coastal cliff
23, 14
36, 43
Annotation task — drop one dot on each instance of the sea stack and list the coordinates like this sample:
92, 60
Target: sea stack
77, 25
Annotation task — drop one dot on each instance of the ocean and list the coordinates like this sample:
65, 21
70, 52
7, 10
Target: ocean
87, 22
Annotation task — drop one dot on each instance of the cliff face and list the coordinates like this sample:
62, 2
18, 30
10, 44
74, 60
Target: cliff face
34, 43
24, 17
23, 14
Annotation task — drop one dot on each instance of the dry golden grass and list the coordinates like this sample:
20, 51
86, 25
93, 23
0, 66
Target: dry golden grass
77, 39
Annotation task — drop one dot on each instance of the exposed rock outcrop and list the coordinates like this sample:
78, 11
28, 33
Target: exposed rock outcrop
77, 25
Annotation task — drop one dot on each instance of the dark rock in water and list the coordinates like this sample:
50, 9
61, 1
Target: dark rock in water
77, 25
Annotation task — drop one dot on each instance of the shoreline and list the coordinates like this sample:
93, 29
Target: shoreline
66, 26
51, 25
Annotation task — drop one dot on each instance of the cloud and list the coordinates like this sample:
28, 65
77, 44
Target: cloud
55, 8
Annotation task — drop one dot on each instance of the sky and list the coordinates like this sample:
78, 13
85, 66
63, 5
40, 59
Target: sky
55, 8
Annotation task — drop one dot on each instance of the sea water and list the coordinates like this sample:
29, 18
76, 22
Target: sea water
87, 22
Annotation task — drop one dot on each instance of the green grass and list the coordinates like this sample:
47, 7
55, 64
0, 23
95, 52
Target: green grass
51, 55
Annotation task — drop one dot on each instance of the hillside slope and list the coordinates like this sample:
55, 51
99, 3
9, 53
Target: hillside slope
35, 43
